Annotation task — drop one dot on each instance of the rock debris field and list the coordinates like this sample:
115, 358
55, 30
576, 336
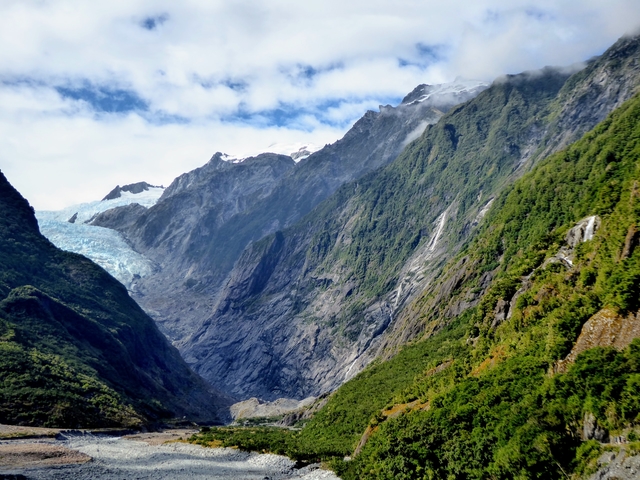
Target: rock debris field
117, 458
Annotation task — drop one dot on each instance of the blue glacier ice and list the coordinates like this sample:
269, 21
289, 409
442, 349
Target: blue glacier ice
104, 246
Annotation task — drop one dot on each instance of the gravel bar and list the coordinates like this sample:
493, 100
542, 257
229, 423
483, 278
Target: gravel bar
117, 458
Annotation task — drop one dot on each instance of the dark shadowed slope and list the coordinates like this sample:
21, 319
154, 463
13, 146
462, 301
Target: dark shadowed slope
75, 349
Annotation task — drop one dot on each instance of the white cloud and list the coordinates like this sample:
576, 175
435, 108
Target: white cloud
208, 62
57, 159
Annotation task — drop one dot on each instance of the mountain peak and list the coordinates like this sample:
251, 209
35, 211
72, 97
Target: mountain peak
444, 93
133, 188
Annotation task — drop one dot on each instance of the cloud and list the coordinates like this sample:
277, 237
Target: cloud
41, 152
97, 91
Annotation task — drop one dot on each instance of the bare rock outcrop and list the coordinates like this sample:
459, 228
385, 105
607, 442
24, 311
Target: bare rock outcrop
254, 408
583, 231
630, 242
607, 328
592, 430
617, 466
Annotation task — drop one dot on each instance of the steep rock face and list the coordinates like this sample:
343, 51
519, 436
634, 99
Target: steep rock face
208, 216
134, 188
347, 271
593, 93
76, 350
191, 219
121, 217
575, 110
330, 294
607, 328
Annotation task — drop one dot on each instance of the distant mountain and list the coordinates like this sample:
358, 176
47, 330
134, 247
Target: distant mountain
75, 349
305, 308
206, 217
134, 188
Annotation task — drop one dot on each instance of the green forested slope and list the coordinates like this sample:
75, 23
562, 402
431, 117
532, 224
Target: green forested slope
75, 349
497, 411
348, 269
499, 406
467, 156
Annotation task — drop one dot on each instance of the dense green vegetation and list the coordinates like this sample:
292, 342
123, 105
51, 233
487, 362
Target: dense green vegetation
499, 414
261, 439
510, 422
75, 349
396, 209
42, 389
481, 140
495, 409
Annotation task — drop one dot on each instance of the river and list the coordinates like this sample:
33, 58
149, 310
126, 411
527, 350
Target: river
118, 458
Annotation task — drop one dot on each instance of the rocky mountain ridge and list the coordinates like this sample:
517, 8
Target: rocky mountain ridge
537, 379
197, 231
584, 101
134, 188
307, 307
310, 305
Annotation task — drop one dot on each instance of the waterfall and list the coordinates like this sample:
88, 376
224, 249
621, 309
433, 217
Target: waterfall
588, 232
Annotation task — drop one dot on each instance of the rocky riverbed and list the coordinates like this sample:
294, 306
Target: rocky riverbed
88, 456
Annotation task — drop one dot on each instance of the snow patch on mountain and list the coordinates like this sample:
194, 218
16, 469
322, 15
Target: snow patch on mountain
104, 246
297, 151
88, 211
445, 92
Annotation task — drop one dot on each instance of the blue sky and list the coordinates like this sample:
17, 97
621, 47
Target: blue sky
100, 93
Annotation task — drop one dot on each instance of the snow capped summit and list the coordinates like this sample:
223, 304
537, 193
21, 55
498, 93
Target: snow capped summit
297, 151
231, 158
133, 188
70, 229
444, 92
85, 212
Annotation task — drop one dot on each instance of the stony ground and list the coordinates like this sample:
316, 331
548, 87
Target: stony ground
141, 457
618, 465
23, 455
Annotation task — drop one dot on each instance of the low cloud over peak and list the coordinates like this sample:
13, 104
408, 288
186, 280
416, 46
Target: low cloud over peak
114, 77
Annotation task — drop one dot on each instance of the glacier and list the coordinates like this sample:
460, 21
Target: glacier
104, 246
87, 211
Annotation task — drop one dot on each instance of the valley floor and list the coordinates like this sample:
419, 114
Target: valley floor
86, 456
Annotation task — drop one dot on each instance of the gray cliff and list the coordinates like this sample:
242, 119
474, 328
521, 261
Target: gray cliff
207, 217
307, 307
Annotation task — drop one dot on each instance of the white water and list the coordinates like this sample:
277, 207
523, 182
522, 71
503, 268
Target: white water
590, 230
436, 237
